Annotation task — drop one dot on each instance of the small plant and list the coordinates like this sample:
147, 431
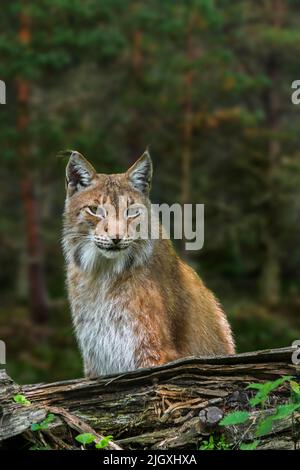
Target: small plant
85, 438
88, 438
265, 424
265, 389
237, 417
103, 442
43, 424
215, 443
250, 445
208, 445
21, 400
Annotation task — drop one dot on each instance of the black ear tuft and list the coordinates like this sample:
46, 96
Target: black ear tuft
79, 173
140, 173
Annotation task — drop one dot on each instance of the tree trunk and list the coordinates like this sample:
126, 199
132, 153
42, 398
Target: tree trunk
137, 73
187, 125
270, 278
271, 275
175, 406
35, 268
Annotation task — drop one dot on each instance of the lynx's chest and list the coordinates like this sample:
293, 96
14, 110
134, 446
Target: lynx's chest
105, 329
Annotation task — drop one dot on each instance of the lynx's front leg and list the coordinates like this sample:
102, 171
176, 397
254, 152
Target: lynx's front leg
155, 341
157, 359
89, 373
155, 350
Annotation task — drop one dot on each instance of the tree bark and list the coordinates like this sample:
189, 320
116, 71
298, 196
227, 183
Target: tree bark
271, 269
187, 124
175, 406
34, 258
270, 278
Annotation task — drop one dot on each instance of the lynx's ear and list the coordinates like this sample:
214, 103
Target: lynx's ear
140, 173
79, 173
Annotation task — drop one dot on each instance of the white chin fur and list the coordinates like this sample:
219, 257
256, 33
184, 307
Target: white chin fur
93, 258
89, 257
111, 254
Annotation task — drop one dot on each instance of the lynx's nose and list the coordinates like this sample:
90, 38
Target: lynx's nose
116, 240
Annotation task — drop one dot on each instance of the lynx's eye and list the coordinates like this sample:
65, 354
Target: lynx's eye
96, 211
132, 212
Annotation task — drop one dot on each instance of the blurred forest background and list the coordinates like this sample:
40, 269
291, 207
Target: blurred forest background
207, 84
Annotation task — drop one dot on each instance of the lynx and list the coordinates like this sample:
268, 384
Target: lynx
134, 302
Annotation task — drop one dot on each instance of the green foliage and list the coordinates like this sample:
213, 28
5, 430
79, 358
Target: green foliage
281, 412
284, 411
103, 442
265, 389
88, 438
21, 400
85, 438
295, 391
208, 445
215, 443
265, 424
236, 417
249, 446
43, 424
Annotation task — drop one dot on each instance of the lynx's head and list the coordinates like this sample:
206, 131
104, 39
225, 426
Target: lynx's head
104, 213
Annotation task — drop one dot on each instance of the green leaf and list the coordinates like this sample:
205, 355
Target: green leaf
104, 442
280, 381
258, 399
222, 444
208, 445
264, 427
295, 387
283, 411
50, 417
295, 393
266, 388
35, 427
43, 424
215, 443
250, 445
254, 385
21, 400
237, 417
85, 438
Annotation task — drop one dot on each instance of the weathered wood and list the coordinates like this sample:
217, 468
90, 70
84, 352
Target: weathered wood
151, 408
80, 426
209, 419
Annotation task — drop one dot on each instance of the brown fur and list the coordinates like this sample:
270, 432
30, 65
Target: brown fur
172, 313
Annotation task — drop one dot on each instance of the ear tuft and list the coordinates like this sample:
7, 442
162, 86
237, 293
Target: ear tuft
140, 173
79, 173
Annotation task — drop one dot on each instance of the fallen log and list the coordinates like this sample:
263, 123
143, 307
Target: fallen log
177, 405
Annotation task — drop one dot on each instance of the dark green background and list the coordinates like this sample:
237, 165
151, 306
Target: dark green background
207, 85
